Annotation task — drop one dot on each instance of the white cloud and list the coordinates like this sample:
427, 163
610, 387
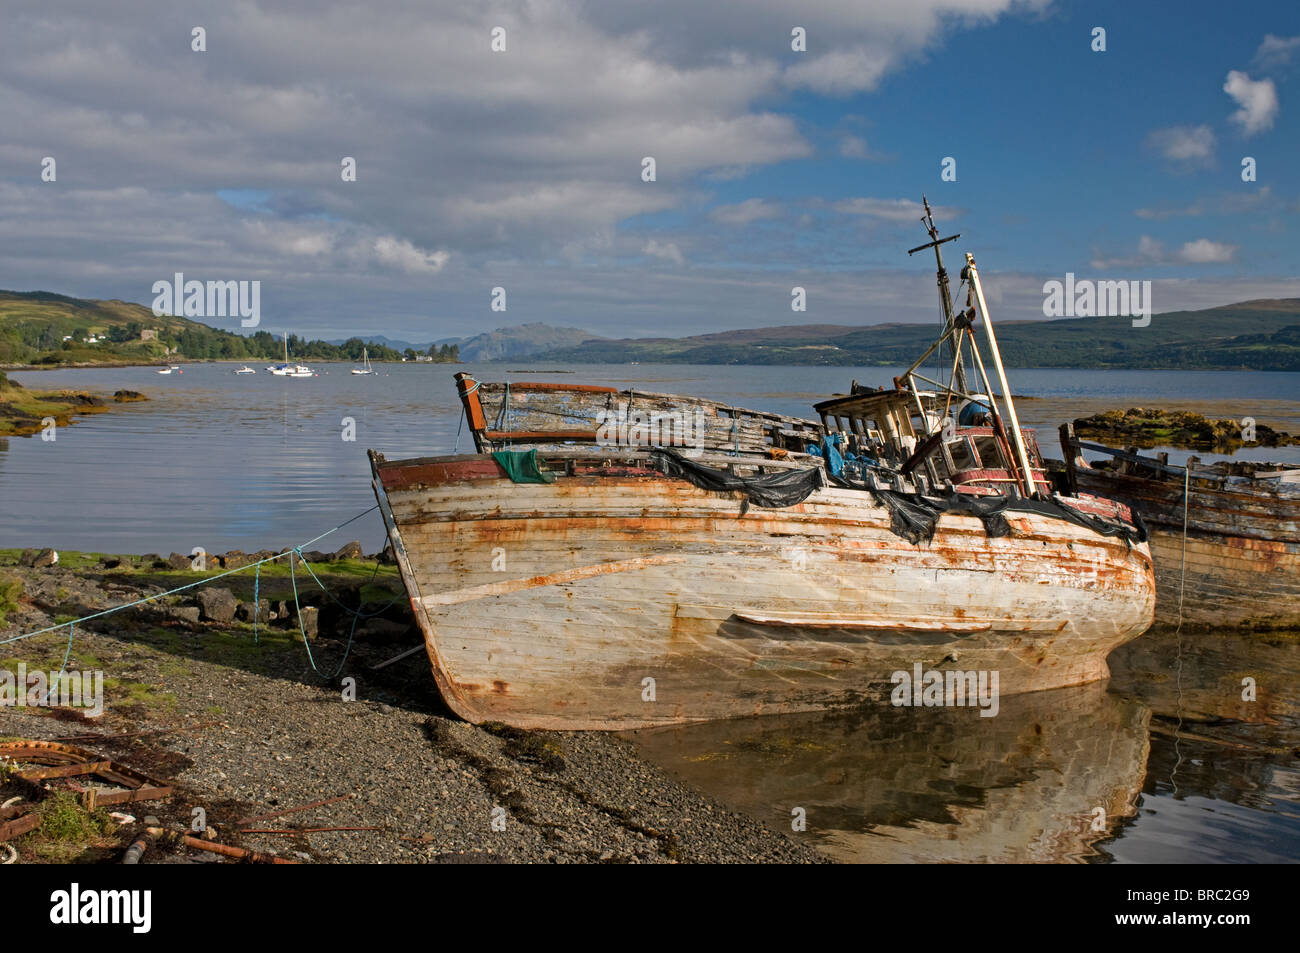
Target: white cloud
743, 213
1225, 203
1276, 51
668, 251
1257, 100
402, 255
1192, 144
853, 147
891, 210
1203, 252
1152, 251
840, 72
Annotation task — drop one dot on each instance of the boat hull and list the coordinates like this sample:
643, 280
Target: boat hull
621, 601
1240, 565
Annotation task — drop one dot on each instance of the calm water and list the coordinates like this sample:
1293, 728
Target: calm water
255, 461
1182, 769
1167, 759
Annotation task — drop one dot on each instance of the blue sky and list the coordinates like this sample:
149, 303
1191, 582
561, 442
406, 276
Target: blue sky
521, 168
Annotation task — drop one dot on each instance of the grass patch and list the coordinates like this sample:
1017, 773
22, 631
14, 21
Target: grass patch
67, 829
11, 590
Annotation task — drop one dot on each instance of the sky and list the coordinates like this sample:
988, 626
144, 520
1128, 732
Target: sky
523, 168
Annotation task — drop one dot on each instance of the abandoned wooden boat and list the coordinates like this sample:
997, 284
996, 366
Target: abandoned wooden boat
1225, 537
615, 559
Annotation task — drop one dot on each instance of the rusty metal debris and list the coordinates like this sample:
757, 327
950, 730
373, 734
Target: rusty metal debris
38, 762
306, 830
137, 849
56, 760
293, 810
238, 853
17, 820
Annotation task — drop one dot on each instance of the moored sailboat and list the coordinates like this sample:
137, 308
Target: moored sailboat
365, 368
289, 370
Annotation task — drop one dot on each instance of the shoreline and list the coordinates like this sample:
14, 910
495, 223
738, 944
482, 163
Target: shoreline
244, 727
185, 361
24, 412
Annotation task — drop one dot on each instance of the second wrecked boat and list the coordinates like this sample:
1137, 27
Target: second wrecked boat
1225, 536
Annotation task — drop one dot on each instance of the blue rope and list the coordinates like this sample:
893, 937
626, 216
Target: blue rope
257, 601
356, 614
460, 424
503, 416
257, 581
183, 588
72, 627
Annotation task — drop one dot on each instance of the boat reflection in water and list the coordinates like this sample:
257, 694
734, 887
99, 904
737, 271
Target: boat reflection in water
1188, 760
1223, 779
1044, 781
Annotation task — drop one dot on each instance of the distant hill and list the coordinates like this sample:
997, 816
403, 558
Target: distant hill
397, 344
522, 340
43, 328
1262, 334
1251, 335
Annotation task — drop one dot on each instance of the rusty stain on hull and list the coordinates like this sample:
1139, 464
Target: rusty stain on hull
814, 620
553, 579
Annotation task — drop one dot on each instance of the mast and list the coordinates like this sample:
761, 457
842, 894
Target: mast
952, 333
1026, 470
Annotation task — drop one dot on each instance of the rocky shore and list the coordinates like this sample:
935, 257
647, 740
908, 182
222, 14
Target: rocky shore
1147, 427
246, 723
24, 412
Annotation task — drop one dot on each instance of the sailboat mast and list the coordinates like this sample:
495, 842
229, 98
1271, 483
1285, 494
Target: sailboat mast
945, 292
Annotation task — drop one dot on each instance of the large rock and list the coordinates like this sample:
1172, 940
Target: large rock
350, 550
246, 609
188, 614
217, 605
38, 558
309, 616
177, 561
235, 560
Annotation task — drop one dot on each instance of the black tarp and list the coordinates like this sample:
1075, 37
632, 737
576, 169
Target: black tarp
771, 490
913, 517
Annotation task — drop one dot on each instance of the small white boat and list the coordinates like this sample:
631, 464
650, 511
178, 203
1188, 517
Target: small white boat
165, 370
245, 369
290, 370
366, 369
